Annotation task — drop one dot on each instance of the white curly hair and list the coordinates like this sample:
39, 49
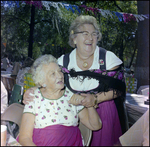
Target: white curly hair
38, 75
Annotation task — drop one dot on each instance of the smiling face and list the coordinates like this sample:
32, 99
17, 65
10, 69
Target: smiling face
54, 78
86, 44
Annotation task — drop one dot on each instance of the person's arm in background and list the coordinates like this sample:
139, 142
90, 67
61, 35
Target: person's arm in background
138, 133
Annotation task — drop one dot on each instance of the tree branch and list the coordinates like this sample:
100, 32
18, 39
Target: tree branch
117, 6
43, 21
16, 18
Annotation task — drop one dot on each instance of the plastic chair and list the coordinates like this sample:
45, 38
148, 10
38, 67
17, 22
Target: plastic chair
86, 134
13, 113
16, 94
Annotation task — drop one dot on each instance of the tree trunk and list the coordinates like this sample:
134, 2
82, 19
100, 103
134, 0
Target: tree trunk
30, 48
142, 63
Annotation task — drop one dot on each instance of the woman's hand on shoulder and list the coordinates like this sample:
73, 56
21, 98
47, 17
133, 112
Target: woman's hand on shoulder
28, 95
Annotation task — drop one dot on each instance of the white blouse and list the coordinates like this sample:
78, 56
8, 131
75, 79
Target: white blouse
88, 84
51, 112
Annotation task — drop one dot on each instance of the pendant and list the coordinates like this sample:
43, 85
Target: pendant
85, 64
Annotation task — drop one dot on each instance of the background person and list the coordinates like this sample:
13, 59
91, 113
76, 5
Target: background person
25, 69
105, 88
138, 134
4, 98
50, 120
5, 62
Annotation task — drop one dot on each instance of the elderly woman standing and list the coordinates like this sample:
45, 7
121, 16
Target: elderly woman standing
104, 89
101, 86
50, 120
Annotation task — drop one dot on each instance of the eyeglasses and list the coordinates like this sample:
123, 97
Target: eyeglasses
87, 34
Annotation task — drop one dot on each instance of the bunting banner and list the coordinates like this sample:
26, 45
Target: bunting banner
126, 17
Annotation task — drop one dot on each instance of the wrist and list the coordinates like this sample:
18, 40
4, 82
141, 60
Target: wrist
96, 101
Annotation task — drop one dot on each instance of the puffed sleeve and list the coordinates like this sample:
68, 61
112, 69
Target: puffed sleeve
30, 108
60, 60
112, 60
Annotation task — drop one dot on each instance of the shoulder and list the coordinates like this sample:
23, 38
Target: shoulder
61, 58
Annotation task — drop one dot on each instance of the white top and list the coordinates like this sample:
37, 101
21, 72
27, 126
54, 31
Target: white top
51, 112
111, 61
4, 98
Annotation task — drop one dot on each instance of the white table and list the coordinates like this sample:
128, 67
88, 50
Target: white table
135, 106
144, 90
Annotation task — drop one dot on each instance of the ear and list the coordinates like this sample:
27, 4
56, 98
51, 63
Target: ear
74, 40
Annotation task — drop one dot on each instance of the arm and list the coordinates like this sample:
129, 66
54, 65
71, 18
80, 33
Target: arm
28, 95
26, 130
89, 101
90, 118
76, 99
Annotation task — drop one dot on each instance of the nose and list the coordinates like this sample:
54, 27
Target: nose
90, 36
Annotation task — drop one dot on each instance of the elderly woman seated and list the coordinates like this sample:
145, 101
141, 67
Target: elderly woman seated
51, 120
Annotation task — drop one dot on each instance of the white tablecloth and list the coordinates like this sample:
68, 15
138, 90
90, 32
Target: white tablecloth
144, 90
135, 106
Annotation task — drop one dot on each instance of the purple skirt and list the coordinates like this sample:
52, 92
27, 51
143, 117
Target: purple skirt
57, 135
110, 132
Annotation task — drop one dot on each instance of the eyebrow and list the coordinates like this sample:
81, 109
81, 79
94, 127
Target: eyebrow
53, 70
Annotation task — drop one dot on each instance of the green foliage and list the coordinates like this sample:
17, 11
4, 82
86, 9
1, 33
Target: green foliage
51, 28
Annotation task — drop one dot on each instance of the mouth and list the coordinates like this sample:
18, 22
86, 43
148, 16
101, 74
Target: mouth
89, 44
60, 82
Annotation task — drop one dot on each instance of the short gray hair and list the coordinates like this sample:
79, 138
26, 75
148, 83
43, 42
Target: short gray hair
38, 74
79, 21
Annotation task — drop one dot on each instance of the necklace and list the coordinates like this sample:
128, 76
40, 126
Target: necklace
85, 63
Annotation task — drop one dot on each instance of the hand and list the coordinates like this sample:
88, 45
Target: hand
89, 100
28, 95
76, 99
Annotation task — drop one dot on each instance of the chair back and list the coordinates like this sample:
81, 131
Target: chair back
13, 113
131, 84
86, 134
16, 94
